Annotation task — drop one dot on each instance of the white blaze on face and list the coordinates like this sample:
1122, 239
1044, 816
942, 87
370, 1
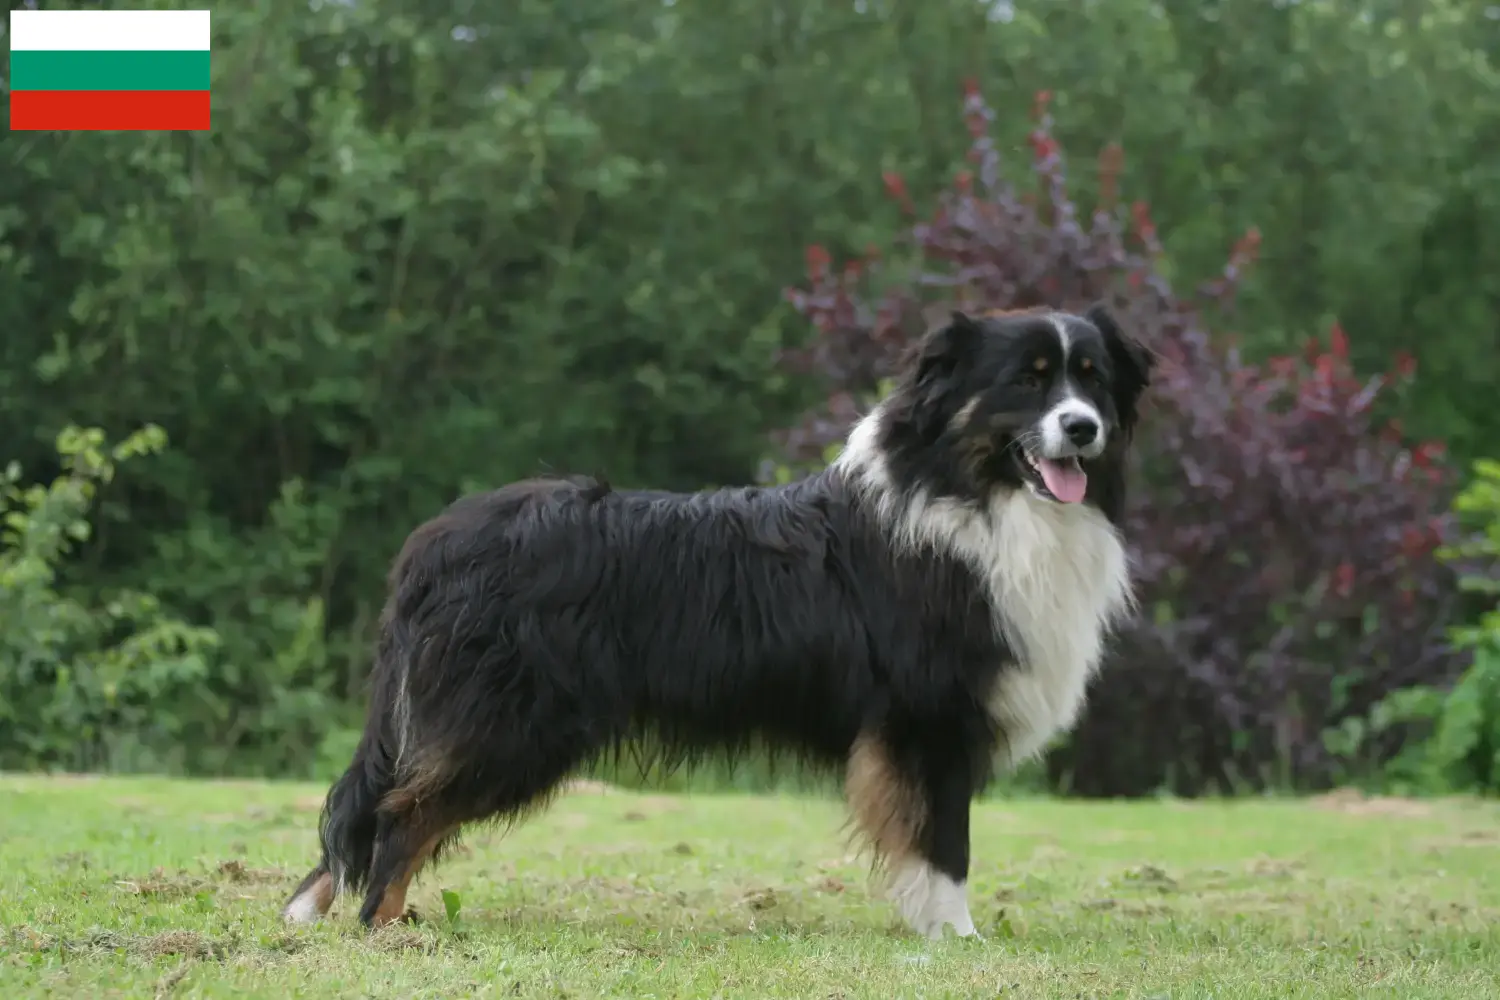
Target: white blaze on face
1071, 407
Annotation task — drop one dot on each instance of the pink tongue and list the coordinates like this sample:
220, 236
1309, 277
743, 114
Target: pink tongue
1066, 481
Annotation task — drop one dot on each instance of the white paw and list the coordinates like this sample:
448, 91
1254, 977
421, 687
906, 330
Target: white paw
930, 902
303, 909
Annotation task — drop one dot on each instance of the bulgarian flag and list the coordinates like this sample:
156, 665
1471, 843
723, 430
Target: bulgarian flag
92, 70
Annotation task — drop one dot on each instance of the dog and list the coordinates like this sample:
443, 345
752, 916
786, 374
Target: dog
931, 605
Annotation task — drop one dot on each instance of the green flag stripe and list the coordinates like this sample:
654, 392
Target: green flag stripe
51, 70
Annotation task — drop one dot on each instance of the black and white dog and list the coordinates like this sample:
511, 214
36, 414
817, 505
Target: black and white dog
933, 602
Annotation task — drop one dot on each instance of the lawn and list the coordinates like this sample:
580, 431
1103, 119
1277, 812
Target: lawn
156, 888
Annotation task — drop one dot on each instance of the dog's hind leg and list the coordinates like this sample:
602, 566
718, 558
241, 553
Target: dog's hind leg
443, 792
404, 845
312, 897
411, 823
346, 833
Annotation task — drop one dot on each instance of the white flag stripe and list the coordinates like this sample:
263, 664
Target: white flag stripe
109, 30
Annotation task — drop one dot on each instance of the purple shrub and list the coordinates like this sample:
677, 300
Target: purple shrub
1283, 530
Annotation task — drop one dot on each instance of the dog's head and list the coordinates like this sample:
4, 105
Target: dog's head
1031, 400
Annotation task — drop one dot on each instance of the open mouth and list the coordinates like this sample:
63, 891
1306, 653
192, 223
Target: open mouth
1059, 479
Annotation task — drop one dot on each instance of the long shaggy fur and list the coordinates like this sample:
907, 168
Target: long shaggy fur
910, 614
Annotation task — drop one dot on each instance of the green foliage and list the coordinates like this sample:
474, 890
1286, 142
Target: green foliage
1460, 750
452, 904
109, 683
429, 247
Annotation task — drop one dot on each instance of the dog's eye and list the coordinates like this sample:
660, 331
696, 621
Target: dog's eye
1029, 380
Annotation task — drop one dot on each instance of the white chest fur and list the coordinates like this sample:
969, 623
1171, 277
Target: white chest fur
1058, 579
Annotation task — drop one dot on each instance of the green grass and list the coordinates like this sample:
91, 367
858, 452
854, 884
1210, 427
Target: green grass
164, 888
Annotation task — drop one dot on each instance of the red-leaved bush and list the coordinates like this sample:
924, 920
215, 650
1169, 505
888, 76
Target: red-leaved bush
1283, 531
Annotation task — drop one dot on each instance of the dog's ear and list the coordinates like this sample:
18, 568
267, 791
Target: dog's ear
945, 350
938, 371
1133, 363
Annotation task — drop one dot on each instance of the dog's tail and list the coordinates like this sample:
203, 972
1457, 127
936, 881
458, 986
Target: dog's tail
350, 823
350, 813
347, 829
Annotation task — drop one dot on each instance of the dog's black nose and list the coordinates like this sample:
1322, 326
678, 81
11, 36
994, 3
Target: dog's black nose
1080, 430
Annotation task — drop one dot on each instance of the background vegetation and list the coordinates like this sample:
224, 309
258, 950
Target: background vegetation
433, 245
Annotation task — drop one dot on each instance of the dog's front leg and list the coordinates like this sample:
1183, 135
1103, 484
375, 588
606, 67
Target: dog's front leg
911, 801
930, 888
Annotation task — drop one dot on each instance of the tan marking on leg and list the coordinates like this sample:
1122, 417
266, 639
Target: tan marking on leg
393, 902
890, 812
886, 809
